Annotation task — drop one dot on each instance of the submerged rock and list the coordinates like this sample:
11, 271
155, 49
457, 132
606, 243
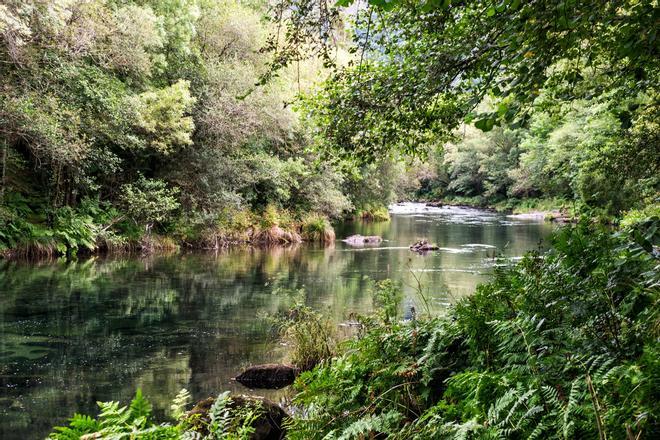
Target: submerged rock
361, 240
434, 204
268, 426
270, 376
423, 246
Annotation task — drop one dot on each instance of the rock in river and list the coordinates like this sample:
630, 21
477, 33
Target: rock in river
361, 240
267, 426
423, 246
271, 376
435, 204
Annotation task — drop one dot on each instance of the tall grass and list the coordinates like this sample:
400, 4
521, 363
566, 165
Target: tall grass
317, 228
311, 336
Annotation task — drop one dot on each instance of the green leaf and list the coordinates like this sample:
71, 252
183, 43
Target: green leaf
485, 125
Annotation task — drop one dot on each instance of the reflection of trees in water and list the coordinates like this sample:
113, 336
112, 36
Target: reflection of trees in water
106, 326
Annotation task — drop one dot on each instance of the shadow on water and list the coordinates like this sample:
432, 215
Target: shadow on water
74, 333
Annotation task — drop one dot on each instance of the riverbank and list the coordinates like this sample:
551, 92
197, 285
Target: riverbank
76, 233
538, 351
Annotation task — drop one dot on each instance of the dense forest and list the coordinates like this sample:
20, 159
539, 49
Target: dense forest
161, 124
194, 118
122, 116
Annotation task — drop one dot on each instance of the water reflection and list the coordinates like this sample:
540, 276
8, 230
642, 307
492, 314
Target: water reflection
75, 333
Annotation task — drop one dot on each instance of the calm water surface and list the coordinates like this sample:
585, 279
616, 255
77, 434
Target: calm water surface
75, 333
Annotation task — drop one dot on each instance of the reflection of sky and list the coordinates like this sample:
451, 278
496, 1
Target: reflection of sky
72, 334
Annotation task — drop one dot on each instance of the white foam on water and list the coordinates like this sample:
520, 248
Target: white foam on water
479, 245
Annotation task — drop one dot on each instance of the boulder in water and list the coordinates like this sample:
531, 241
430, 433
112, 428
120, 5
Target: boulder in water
269, 376
423, 246
361, 240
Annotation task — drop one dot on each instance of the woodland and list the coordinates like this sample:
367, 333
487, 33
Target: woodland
161, 125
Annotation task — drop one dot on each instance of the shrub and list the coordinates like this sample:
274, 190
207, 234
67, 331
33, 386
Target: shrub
149, 201
374, 214
310, 334
317, 228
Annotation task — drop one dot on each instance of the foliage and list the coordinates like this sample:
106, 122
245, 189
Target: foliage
387, 297
317, 228
226, 422
310, 333
374, 214
560, 346
422, 69
113, 100
149, 201
579, 156
161, 114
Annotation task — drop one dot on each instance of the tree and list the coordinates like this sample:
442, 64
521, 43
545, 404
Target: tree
149, 201
161, 116
423, 68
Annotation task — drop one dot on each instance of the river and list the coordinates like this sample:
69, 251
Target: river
73, 333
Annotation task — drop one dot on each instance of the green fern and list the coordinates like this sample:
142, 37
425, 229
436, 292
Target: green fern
140, 408
220, 416
178, 406
371, 425
79, 425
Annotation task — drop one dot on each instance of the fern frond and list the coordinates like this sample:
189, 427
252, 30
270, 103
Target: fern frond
178, 406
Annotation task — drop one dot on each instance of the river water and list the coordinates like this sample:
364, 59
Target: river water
75, 333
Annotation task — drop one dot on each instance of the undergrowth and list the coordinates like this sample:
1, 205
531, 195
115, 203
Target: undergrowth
135, 421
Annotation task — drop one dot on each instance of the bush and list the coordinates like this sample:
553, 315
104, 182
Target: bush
374, 214
317, 228
149, 201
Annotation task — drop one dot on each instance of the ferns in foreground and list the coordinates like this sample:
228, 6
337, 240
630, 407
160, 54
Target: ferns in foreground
135, 421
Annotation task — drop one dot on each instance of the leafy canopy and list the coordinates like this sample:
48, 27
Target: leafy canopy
421, 68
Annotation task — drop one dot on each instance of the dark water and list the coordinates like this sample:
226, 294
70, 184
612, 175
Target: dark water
75, 333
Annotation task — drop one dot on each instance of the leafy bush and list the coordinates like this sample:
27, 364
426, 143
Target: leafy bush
374, 213
149, 201
317, 228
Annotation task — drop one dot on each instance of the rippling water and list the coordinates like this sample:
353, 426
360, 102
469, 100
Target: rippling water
75, 333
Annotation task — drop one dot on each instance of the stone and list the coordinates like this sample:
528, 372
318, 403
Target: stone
423, 246
362, 240
269, 376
